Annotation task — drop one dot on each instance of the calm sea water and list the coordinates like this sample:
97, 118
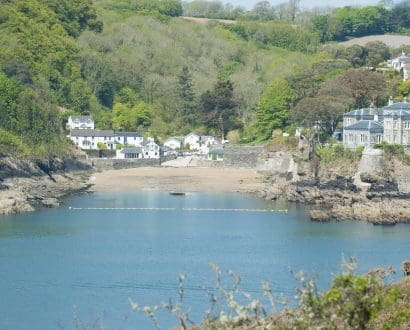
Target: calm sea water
81, 263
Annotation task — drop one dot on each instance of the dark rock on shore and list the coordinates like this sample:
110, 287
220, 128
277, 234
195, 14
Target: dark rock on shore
342, 191
26, 185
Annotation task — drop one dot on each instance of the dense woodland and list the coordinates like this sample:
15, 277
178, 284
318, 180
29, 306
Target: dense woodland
138, 65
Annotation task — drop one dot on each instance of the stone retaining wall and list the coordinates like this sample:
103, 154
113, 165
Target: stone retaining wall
102, 164
242, 156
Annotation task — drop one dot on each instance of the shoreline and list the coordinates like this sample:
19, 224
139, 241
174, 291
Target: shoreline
185, 179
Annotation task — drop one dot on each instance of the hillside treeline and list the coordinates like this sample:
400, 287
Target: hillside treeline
40, 71
136, 65
327, 23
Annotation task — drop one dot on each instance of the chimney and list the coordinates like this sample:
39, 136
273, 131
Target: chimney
391, 100
373, 111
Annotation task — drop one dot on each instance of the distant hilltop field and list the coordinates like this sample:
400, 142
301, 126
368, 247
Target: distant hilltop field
390, 40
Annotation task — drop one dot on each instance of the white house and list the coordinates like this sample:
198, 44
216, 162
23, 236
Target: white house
200, 142
150, 149
80, 122
208, 140
89, 139
370, 126
174, 143
401, 64
363, 133
128, 138
130, 153
192, 139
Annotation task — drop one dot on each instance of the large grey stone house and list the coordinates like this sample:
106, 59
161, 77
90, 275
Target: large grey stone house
370, 126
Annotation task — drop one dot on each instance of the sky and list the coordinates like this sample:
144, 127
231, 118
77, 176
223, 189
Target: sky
308, 3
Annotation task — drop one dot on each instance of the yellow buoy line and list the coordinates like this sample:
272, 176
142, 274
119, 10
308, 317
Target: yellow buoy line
173, 209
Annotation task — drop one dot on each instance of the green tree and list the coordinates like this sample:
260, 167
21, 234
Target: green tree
365, 87
187, 96
272, 111
219, 107
404, 88
377, 52
9, 93
321, 113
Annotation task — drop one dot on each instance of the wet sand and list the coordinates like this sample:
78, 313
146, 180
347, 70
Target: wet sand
179, 179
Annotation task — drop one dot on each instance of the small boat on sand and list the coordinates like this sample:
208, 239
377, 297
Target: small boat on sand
177, 193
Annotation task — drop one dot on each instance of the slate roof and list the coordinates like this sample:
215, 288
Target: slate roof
365, 112
128, 134
366, 125
398, 106
399, 114
82, 119
131, 150
91, 133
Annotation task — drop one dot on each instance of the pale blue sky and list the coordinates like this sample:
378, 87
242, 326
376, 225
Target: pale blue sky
308, 3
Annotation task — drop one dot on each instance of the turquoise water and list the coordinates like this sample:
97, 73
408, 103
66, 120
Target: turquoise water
82, 261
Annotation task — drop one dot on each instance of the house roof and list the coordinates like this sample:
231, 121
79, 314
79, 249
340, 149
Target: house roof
398, 106
366, 125
216, 151
199, 134
91, 133
82, 119
365, 112
128, 134
131, 150
144, 143
399, 114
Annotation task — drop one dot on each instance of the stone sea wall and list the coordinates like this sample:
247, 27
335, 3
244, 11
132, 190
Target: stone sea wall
103, 164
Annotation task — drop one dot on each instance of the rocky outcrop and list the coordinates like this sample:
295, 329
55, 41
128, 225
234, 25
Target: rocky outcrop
26, 185
371, 189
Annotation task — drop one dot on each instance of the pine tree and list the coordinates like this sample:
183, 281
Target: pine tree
187, 97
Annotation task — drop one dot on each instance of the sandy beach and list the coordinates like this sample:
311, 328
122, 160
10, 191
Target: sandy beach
179, 179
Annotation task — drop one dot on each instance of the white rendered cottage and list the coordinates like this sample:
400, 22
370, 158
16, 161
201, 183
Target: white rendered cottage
192, 140
150, 149
174, 143
89, 139
80, 122
128, 138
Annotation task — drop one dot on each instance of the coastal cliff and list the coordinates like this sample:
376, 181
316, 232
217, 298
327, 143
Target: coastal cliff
373, 188
26, 185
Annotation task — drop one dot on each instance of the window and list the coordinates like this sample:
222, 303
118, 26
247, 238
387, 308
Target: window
363, 138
